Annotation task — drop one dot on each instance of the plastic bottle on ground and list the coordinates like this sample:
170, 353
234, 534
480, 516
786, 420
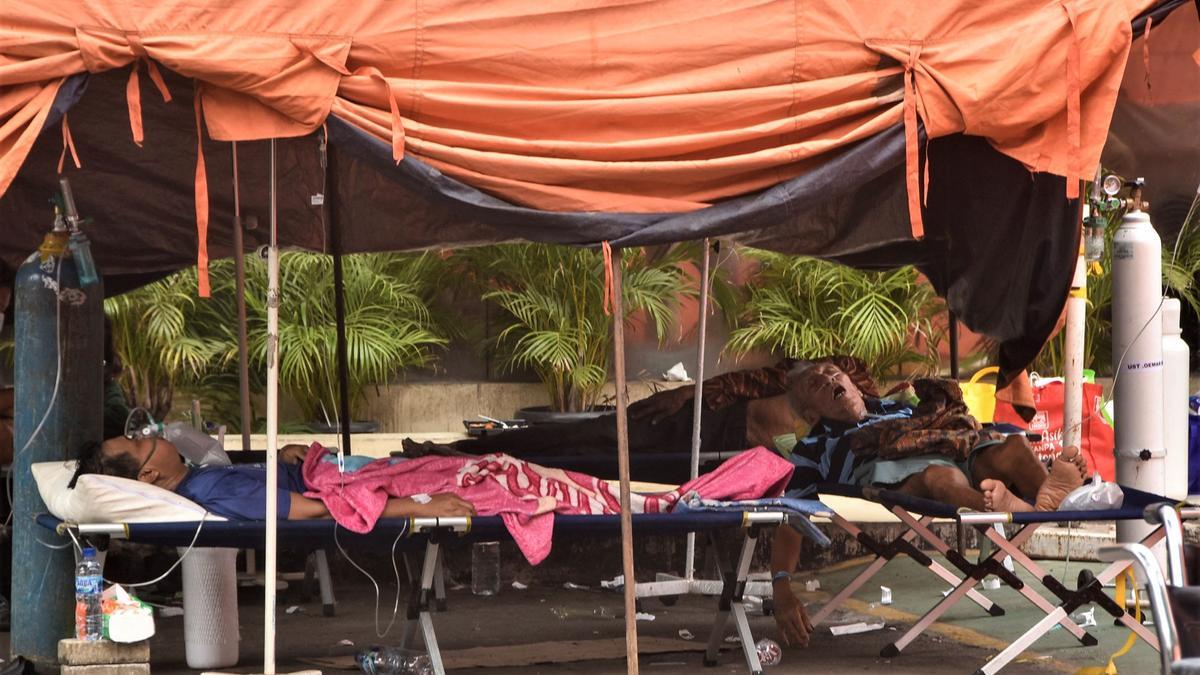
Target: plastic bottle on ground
485, 568
769, 652
89, 584
393, 661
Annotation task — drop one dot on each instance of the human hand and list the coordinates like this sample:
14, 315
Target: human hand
661, 405
446, 504
790, 617
292, 453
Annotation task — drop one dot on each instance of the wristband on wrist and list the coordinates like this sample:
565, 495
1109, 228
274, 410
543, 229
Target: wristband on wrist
781, 576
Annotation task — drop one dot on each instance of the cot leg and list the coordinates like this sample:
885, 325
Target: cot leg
328, 601
429, 568
723, 609
733, 584
1007, 549
439, 583
921, 528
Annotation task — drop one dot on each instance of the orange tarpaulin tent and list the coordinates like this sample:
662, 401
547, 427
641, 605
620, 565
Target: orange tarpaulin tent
871, 132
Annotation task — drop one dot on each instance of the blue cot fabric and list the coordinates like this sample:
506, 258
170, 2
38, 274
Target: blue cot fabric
824, 456
239, 492
798, 509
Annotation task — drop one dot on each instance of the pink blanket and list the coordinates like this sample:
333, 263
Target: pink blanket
525, 495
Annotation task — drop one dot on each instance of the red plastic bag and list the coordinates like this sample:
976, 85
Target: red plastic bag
1097, 435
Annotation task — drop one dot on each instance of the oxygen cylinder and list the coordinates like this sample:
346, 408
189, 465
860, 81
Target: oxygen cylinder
1176, 375
1138, 353
58, 375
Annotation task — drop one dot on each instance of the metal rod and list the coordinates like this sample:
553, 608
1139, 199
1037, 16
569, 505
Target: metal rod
239, 268
339, 294
269, 566
618, 306
689, 564
953, 330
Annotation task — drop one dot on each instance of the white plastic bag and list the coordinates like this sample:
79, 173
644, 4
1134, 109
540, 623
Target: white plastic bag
1095, 496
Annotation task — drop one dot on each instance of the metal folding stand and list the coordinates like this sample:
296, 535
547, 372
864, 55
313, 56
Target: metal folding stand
424, 599
1069, 600
884, 552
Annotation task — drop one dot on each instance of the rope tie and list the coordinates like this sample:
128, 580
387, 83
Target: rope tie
609, 289
397, 123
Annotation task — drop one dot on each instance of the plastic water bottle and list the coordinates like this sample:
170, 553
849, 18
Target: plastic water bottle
89, 584
393, 661
196, 446
485, 568
769, 653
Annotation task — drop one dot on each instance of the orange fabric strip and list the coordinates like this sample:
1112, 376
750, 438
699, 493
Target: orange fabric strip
68, 143
1146, 53
912, 158
201, 206
608, 277
157, 79
1074, 138
925, 188
133, 101
397, 123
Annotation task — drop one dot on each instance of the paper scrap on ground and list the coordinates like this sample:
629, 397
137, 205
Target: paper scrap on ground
616, 582
293, 609
345, 643
851, 629
812, 585
644, 616
519, 586
677, 373
686, 634
991, 584
574, 587
885, 595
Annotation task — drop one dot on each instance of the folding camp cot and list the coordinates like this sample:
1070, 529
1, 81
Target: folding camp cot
432, 534
916, 514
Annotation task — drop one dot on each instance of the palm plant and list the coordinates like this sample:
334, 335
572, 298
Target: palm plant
167, 337
553, 302
389, 325
806, 308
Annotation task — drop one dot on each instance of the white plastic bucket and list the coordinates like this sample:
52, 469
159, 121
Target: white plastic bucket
210, 609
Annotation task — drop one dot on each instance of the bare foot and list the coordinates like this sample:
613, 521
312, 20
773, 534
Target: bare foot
1075, 456
1065, 475
996, 497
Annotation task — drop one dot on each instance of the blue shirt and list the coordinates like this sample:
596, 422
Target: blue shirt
824, 456
239, 492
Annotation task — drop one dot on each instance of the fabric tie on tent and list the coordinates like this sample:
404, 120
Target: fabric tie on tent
133, 96
68, 144
911, 146
609, 289
397, 125
1146, 56
201, 204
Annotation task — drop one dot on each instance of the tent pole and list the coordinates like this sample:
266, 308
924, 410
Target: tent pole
953, 330
689, 564
272, 431
1073, 348
618, 306
239, 257
329, 158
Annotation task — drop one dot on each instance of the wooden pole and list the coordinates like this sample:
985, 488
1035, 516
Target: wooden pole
618, 305
239, 257
689, 565
272, 432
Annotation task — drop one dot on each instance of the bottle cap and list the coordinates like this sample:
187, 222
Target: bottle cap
89, 552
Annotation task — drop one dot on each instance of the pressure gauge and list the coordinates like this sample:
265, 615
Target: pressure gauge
1112, 184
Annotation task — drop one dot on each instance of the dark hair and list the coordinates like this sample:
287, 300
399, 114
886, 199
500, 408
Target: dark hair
92, 459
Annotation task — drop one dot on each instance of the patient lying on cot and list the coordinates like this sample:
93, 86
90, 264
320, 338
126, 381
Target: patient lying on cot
933, 450
526, 496
239, 491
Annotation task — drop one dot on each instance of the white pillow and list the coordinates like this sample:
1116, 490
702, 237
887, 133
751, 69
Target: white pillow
108, 499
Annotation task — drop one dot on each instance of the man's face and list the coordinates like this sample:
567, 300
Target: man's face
155, 457
825, 392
